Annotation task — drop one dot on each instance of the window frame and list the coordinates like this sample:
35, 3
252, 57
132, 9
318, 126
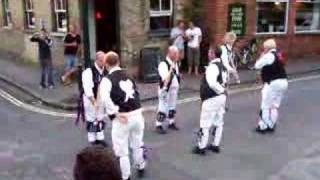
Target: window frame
28, 11
161, 13
286, 18
56, 13
7, 19
295, 25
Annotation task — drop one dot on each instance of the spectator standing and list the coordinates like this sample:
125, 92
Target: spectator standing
194, 37
45, 59
177, 37
72, 43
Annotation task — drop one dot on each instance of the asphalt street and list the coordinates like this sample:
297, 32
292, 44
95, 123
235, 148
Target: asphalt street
37, 147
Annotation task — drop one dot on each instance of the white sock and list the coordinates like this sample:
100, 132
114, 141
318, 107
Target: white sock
274, 116
262, 125
91, 137
204, 138
158, 123
266, 117
171, 121
218, 135
100, 135
139, 161
125, 167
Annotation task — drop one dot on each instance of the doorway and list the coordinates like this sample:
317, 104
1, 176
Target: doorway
106, 25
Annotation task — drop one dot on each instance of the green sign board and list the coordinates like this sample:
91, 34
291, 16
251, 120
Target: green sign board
237, 19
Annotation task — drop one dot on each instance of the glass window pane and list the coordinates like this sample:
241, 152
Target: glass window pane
28, 5
9, 17
166, 5
62, 21
308, 16
61, 4
160, 23
271, 17
154, 5
31, 19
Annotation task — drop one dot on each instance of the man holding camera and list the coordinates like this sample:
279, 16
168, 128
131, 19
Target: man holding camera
45, 58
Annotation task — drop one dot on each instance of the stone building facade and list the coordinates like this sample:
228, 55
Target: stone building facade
128, 26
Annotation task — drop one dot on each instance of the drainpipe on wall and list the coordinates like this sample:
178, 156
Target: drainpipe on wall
85, 28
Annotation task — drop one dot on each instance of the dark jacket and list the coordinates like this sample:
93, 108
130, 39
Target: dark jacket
44, 46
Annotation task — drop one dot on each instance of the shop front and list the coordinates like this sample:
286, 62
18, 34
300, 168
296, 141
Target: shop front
294, 24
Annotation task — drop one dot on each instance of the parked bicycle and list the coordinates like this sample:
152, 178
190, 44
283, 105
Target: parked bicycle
245, 57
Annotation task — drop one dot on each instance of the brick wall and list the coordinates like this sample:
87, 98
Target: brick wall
295, 45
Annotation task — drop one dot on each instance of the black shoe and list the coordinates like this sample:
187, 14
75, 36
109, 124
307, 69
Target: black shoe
173, 126
101, 142
197, 150
141, 173
161, 130
215, 149
261, 131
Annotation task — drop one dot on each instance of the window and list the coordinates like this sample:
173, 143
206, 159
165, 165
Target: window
272, 16
60, 15
7, 19
308, 16
160, 15
29, 14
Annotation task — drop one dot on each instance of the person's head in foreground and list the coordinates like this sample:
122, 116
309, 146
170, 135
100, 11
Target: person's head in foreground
96, 163
173, 53
230, 38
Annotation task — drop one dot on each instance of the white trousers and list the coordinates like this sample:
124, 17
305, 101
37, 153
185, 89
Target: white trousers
90, 116
125, 135
212, 112
167, 102
272, 95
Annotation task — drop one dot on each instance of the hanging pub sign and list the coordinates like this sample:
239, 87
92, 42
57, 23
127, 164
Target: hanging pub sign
237, 18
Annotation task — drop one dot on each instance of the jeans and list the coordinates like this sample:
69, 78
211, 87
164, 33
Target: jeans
46, 72
70, 61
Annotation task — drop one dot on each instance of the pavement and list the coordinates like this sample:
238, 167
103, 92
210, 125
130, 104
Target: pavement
26, 77
36, 147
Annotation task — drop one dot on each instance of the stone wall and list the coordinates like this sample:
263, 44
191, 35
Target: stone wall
15, 40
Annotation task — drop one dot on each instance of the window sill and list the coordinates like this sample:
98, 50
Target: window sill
58, 34
307, 32
7, 27
30, 31
159, 34
271, 33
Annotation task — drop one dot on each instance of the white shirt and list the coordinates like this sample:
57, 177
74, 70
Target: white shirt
87, 81
105, 103
164, 71
212, 73
177, 35
196, 35
226, 57
266, 59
